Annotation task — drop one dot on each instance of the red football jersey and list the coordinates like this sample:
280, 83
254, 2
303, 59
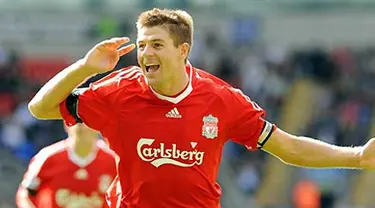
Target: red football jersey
57, 177
169, 147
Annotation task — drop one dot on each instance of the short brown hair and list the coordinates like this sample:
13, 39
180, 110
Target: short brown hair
178, 23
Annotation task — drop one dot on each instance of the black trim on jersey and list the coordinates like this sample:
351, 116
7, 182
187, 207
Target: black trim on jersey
72, 104
265, 140
266, 123
32, 192
264, 126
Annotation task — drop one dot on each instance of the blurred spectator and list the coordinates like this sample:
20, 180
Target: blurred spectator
248, 178
13, 135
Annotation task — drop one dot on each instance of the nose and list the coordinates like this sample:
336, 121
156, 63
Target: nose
148, 50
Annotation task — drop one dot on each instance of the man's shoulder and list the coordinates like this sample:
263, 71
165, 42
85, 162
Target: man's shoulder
118, 79
212, 83
205, 76
53, 149
49, 152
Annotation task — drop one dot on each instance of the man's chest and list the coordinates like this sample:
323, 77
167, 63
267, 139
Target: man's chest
187, 116
182, 134
78, 179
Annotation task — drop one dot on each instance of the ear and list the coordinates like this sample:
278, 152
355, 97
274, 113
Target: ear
184, 50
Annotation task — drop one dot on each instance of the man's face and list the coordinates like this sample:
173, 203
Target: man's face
157, 54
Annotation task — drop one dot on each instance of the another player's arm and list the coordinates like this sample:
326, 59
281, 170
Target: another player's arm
309, 152
101, 58
32, 180
25, 198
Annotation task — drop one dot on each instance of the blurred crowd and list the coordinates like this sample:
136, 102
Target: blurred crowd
264, 72
345, 104
20, 133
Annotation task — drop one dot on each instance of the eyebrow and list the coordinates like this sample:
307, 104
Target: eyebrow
153, 40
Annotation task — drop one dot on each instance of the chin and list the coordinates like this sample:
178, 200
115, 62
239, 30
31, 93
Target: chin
152, 82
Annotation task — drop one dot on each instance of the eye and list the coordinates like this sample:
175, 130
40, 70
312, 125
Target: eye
141, 46
157, 45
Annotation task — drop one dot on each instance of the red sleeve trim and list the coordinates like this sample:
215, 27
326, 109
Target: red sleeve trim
68, 118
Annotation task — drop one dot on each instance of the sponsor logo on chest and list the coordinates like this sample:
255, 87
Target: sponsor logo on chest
172, 153
68, 198
162, 155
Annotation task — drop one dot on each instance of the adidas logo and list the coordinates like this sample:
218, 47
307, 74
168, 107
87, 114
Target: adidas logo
173, 113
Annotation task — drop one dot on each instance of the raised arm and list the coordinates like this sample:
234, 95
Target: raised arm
101, 58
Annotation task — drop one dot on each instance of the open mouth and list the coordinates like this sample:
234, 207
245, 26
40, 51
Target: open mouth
152, 67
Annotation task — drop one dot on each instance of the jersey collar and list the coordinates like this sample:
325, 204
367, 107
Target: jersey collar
80, 161
182, 95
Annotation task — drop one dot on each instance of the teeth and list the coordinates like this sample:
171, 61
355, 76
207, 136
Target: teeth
151, 64
151, 67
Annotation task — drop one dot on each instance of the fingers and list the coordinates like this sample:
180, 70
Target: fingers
114, 42
124, 50
120, 41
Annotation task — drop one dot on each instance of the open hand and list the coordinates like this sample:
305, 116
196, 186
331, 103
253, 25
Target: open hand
104, 56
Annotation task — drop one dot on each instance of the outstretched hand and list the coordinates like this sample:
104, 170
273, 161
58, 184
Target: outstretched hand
368, 155
104, 56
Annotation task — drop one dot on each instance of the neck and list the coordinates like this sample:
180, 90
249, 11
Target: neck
175, 85
83, 146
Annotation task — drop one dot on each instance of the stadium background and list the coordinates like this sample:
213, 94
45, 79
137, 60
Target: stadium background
310, 64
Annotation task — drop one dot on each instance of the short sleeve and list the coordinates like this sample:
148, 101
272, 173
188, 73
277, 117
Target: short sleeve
247, 124
33, 177
91, 106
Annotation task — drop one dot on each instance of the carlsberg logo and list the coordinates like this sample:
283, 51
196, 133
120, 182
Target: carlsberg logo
160, 155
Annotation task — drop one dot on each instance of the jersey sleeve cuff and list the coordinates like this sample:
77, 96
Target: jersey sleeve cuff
68, 118
267, 131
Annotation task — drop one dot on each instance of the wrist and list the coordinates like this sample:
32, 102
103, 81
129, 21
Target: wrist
358, 153
85, 69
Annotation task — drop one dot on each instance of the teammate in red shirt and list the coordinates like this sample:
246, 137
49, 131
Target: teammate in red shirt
113, 195
74, 172
168, 121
